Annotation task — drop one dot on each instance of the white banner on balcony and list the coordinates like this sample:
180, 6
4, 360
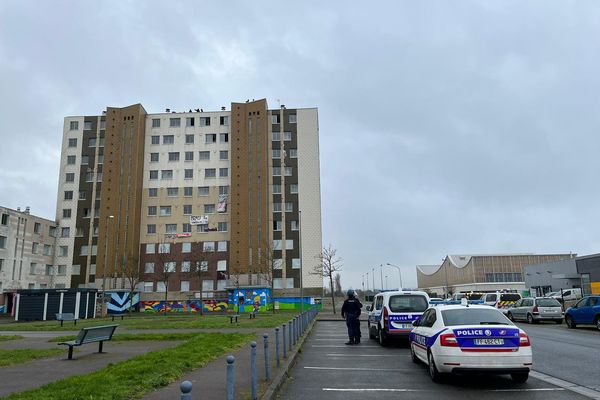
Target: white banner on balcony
198, 219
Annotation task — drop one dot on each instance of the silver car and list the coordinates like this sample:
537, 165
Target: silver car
538, 309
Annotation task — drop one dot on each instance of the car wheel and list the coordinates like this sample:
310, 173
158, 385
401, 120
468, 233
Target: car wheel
530, 319
558, 321
569, 322
434, 374
372, 336
597, 322
413, 355
510, 316
382, 339
520, 377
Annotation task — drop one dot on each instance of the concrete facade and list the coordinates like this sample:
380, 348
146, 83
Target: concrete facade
574, 272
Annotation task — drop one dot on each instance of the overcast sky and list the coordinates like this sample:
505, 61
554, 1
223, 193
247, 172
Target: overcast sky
455, 127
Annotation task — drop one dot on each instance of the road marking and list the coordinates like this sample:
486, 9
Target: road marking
358, 369
430, 390
582, 390
361, 355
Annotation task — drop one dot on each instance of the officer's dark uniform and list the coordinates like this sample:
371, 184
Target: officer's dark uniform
351, 311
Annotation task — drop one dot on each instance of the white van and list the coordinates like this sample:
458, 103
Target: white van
501, 300
392, 314
567, 294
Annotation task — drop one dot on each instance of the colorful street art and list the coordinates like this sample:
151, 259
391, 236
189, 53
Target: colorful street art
249, 299
293, 303
2, 311
187, 306
119, 302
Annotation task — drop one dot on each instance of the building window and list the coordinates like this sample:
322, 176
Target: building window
277, 283
275, 118
32, 267
294, 188
174, 156
224, 120
187, 228
187, 209
5, 219
87, 126
276, 207
276, 154
152, 192
52, 231
204, 155
63, 251
276, 171
222, 245
186, 247
277, 225
185, 285
292, 118
204, 121
164, 248
185, 265
189, 156
34, 245
208, 246
92, 142
101, 159
153, 157
222, 227
71, 160
224, 137
190, 121
223, 190
68, 195
154, 174
47, 250
65, 232
165, 211
151, 210
155, 139
295, 226
172, 192
148, 286
170, 266
201, 228
70, 177
289, 207
168, 139
289, 244
150, 248
293, 153
155, 122
210, 138
73, 125
62, 271
82, 195
210, 173
149, 268
188, 191
37, 227
73, 142
209, 208
276, 189
170, 228
3, 243
222, 265
295, 263
203, 191
276, 136
288, 171
289, 283
85, 160
223, 155
49, 270
188, 173
175, 122
287, 136
151, 229
223, 172
166, 174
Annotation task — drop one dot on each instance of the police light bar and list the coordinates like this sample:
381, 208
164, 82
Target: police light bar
463, 302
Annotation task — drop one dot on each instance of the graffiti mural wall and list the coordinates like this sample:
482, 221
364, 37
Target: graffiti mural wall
250, 298
119, 302
2, 309
187, 306
293, 303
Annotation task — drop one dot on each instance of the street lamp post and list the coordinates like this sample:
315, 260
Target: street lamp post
381, 273
105, 263
399, 274
367, 281
373, 275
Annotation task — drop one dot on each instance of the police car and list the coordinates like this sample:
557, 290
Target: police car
470, 338
392, 313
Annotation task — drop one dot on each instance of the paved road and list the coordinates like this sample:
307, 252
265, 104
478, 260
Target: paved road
569, 354
329, 369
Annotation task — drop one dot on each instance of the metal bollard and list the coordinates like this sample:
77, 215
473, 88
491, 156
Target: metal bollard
294, 330
284, 342
277, 346
230, 360
186, 389
253, 369
290, 335
267, 366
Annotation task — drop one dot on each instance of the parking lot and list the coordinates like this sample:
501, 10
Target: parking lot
329, 369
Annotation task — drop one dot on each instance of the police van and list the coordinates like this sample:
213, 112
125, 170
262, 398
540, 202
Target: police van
392, 313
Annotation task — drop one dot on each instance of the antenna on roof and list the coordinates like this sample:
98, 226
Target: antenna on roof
223, 108
167, 110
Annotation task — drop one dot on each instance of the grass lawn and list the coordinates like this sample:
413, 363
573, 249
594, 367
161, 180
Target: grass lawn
160, 321
4, 338
133, 378
19, 356
125, 337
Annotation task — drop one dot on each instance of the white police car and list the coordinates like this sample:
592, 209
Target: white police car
460, 338
392, 313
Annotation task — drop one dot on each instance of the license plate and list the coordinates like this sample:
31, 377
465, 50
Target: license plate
403, 326
488, 342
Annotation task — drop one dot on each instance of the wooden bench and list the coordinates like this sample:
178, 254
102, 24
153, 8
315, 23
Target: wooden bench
91, 335
62, 317
113, 316
231, 317
253, 313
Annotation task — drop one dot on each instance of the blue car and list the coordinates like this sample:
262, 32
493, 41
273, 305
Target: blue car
585, 312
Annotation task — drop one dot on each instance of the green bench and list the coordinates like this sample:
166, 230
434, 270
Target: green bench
62, 317
91, 335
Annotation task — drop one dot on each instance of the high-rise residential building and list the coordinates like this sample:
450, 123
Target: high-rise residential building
29, 256
233, 193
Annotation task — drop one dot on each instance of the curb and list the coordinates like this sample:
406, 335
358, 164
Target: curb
283, 374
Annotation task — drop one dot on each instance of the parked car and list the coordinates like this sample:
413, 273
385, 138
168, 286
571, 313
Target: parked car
470, 339
501, 300
392, 313
566, 295
534, 310
585, 312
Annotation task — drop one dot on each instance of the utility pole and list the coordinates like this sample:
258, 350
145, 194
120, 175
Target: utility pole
381, 273
373, 275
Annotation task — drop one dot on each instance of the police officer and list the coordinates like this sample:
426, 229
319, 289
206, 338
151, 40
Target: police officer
351, 312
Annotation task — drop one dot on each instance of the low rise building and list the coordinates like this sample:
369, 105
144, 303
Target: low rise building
574, 272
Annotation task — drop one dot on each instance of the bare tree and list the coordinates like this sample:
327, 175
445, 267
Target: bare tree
132, 275
329, 263
338, 284
164, 269
267, 266
199, 266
